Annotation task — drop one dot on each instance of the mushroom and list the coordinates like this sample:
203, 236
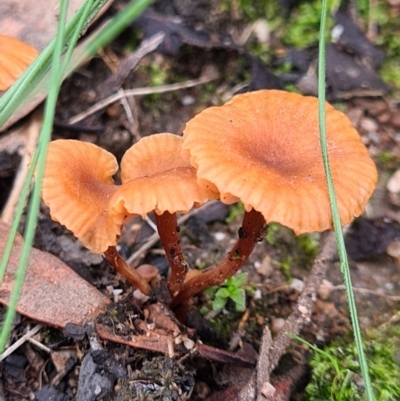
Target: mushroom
156, 178
77, 187
263, 148
15, 57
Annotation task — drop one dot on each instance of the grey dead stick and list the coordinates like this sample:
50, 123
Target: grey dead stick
258, 388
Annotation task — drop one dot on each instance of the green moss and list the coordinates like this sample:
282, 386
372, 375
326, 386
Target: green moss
302, 28
235, 210
336, 373
387, 160
389, 40
308, 245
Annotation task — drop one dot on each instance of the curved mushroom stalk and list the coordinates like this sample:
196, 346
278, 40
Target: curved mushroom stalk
253, 230
130, 274
168, 230
155, 178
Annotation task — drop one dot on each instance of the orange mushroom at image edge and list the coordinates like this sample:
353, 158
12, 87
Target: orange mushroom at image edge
15, 58
263, 148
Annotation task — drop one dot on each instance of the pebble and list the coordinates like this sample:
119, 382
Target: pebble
395, 119
277, 324
354, 116
374, 137
393, 250
376, 107
187, 100
368, 124
325, 289
265, 268
262, 30
219, 236
384, 117
393, 184
297, 285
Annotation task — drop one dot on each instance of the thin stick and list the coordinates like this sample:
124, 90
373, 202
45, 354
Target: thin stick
167, 226
251, 232
140, 92
123, 268
32, 130
18, 343
368, 291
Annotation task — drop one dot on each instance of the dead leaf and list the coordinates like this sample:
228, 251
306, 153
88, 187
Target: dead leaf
35, 22
52, 293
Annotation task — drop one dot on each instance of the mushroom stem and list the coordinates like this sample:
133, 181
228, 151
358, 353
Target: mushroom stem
252, 231
130, 274
168, 230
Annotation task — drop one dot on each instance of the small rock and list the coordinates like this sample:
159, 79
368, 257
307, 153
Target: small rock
187, 100
354, 115
262, 30
393, 250
384, 117
297, 285
395, 119
188, 343
266, 268
268, 391
368, 124
325, 289
393, 184
277, 324
219, 236
302, 309
377, 107
374, 137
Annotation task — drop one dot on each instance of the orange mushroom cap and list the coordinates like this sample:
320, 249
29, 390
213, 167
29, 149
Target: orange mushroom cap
15, 57
156, 178
77, 187
263, 148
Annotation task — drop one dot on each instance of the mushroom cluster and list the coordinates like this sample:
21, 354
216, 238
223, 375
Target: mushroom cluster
261, 148
155, 178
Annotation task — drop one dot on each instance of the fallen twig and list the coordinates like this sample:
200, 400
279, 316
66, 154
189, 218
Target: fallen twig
21, 341
271, 351
140, 92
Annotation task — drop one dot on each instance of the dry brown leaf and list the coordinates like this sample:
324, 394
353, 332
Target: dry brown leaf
52, 293
35, 22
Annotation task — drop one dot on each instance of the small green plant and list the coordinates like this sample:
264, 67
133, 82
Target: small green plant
235, 210
336, 371
232, 289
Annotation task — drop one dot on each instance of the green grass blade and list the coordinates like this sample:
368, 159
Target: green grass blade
33, 75
67, 34
344, 266
33, 213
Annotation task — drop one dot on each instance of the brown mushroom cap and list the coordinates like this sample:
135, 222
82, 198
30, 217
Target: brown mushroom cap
263, 148
156, 177
15, 57
77, 187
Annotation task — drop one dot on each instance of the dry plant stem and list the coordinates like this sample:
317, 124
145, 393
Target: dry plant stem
252, 231
271, 351
168, 229
126, 271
